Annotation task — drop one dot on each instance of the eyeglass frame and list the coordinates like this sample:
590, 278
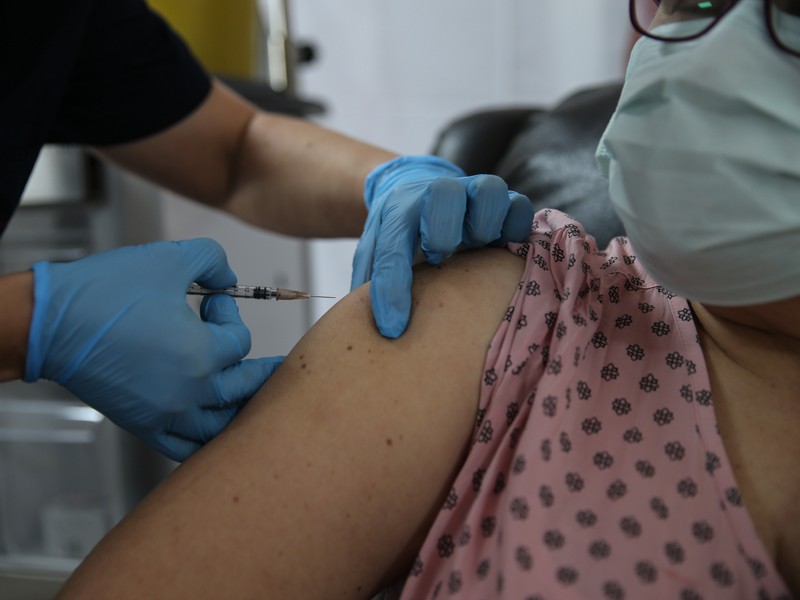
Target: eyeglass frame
730, 4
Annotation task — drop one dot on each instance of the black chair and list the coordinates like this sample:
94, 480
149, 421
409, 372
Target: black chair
546, 154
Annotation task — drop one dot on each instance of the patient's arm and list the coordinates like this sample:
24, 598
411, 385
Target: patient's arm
325, 485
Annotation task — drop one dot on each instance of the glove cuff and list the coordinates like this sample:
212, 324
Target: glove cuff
384, 174
36, 344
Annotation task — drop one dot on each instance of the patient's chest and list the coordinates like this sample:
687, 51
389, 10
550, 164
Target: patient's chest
762, 442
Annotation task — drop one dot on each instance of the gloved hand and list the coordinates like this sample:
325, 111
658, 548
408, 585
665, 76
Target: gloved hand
429, 203
115, 330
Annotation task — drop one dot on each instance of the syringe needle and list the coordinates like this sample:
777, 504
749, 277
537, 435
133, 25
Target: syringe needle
284, 294
253, 291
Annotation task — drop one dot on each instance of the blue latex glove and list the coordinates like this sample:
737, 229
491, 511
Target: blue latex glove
427, 203
115, 329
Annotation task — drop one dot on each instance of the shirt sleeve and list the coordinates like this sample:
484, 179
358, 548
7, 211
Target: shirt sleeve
133, 77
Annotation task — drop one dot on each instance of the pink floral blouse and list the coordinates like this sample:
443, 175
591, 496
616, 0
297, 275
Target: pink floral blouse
596, 469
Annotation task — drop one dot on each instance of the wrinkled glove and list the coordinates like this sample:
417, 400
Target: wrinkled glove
115, 329
427, 203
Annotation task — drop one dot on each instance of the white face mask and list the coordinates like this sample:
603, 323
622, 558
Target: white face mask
703, 161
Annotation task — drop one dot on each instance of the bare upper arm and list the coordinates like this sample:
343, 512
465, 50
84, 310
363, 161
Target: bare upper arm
196, 156
327, 482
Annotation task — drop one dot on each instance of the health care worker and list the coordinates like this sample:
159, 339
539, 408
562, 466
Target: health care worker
115, 328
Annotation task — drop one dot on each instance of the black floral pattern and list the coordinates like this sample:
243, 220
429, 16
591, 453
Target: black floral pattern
586, 518
603, 460
599, 550
659, 508
674, 552
553, 539
621, 406
612, 403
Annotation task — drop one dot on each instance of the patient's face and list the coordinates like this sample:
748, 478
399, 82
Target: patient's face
702, 160
687, 18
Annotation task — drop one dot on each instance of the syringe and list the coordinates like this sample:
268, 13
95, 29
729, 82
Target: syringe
259, 292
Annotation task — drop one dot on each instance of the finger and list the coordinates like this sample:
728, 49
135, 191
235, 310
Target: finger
200, 425
232, 388
207, 263
365, 250
230, 339
237, 384
444, 206
487, 207
174, 446
395, 247
517, 225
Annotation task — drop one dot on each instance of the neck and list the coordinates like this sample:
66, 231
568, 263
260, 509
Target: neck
753, 360
762, 341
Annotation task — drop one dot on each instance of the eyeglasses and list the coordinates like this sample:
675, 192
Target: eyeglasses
653, 18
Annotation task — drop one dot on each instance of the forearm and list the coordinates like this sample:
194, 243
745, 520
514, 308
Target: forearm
296, 178
280, 173
16, 308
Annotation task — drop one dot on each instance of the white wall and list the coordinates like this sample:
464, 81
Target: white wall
394, 72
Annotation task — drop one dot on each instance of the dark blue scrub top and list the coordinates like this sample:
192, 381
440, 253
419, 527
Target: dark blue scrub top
92, 72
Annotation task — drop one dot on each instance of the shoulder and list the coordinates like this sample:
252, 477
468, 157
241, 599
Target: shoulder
456, 309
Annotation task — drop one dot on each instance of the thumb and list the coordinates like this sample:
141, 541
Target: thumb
230, 337
390, 294
207, 263
390, 289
